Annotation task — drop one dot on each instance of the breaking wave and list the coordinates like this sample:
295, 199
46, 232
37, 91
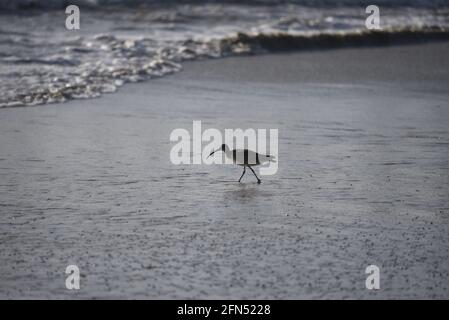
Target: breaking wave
42, 66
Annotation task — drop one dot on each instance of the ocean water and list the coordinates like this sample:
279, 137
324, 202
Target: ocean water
129, 41
362, 179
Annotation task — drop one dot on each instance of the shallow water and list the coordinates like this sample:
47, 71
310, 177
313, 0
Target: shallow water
363, 179
41, 62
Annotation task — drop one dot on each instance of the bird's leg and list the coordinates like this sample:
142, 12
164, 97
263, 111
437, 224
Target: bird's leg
244, 170
258, 180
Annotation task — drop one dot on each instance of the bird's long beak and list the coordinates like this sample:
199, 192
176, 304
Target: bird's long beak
213, 152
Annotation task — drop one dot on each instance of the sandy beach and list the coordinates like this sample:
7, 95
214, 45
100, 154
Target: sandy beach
363, 179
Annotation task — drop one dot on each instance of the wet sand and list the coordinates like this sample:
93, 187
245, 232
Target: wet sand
363, 179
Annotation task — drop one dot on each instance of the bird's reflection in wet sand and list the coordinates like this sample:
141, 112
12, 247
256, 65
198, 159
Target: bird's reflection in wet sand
246, 192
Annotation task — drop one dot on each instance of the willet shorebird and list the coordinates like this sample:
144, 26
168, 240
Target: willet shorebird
245, 158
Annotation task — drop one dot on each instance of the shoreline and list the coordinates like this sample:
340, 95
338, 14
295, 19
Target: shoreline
348, 52
362, 180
